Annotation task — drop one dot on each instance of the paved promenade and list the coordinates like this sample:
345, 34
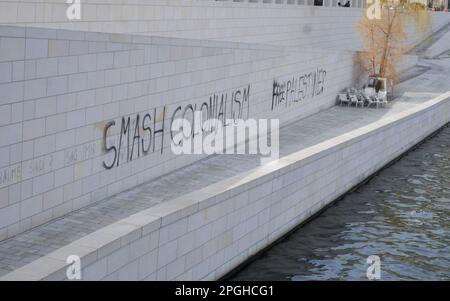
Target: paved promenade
26, 247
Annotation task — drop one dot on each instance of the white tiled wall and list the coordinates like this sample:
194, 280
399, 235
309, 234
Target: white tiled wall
214, 240
207, 236
62, 88
59, 88
269, 22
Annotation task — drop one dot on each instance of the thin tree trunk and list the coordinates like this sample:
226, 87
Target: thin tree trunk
386, 45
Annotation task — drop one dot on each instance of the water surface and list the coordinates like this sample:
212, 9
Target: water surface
400, 215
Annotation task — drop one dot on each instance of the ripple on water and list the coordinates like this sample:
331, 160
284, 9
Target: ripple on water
401, 215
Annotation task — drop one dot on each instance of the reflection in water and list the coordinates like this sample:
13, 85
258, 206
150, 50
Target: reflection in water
401, 215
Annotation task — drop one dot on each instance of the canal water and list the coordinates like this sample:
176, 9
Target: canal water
402, 215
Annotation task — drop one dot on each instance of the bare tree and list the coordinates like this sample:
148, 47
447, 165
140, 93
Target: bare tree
384, 37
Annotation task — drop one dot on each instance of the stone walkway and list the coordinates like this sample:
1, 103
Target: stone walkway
28, 246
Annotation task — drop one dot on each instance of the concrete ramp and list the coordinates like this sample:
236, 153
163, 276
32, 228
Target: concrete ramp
440, 46
435, 44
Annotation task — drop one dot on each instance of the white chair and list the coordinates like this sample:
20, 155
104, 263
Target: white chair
370, 101
343, 99
379, 101
382, 101
354, 100
360, 98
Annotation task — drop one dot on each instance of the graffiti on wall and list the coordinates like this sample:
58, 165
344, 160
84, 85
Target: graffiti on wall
132, 137
298, 88
10, 175
144, 133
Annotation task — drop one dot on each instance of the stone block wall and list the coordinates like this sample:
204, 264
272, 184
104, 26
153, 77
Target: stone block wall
61, 92
205, 234
64, 87
281, 23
